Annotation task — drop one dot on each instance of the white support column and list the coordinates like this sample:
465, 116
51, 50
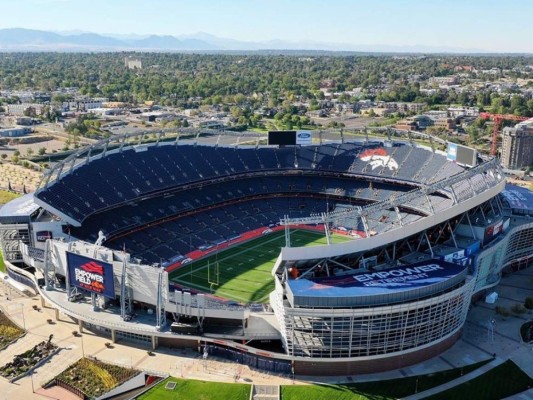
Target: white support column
49, 274
125, 300
326, 228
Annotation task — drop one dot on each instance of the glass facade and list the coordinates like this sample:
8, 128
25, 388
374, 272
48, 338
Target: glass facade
373, 331
517, 244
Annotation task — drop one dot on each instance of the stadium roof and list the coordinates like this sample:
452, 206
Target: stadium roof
518, 197
18, 209
370, 287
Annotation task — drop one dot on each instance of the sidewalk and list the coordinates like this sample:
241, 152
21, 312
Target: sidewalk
458, 381
185, 363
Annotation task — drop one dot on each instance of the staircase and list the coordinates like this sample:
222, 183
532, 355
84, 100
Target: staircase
265, 392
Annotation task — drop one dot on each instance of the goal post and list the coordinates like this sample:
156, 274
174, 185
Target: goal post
213, 276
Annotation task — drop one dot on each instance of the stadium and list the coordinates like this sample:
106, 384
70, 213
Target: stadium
310, 253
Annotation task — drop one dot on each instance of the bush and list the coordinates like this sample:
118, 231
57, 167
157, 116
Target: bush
518, 309
504, 312
95, 377
8, 331
529, 303
24, 362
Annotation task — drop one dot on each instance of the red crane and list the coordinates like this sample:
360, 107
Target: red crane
498, 119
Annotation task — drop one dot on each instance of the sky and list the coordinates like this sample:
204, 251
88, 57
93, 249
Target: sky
489, 25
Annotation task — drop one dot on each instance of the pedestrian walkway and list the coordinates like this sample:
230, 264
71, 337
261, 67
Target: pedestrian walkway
455, 382
57, 392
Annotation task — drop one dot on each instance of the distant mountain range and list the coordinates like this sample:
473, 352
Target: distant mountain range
20, 39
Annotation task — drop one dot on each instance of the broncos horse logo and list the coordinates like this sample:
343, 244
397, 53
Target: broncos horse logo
379, 158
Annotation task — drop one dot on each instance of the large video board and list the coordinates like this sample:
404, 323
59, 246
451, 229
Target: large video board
461, 154
89, 274
290, 138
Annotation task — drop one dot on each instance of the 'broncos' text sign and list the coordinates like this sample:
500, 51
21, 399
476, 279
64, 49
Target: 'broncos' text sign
90, 274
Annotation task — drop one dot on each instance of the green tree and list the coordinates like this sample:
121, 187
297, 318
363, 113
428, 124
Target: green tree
15, 158
30, 112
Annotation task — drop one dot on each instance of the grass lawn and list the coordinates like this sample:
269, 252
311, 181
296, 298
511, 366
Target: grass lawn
6, 196
259, 129
244, 271
2, 265
197, 390
380, 390
8, 330
503, 381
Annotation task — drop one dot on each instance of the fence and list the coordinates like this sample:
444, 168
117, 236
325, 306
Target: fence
70, 388
252, 360
21, 278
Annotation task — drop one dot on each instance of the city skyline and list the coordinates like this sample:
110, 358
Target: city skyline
488, 26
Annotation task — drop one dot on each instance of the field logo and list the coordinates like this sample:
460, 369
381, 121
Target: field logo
379, 158
92, 275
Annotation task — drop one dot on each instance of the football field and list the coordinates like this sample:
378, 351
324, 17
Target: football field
243, 272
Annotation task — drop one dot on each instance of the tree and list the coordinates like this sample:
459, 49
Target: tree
60, 98
236, 112
473, 133
41, 151
240, 98
30, 112
29, 152
15, 158
4, 156
313, 105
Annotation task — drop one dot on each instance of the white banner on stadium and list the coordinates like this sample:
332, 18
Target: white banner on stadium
304, 137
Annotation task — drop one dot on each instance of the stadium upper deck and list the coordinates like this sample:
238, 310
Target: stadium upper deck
191, 194
115, 177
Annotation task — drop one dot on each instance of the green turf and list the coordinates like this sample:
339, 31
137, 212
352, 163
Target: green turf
379, 390
500, 382
197, 390
244, 271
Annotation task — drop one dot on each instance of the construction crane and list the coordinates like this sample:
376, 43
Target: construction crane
498, 119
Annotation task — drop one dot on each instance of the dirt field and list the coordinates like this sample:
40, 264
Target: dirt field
350, 121
50, 146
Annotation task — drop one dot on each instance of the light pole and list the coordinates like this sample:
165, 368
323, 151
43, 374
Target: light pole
82, 349
23, 318
32, 387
